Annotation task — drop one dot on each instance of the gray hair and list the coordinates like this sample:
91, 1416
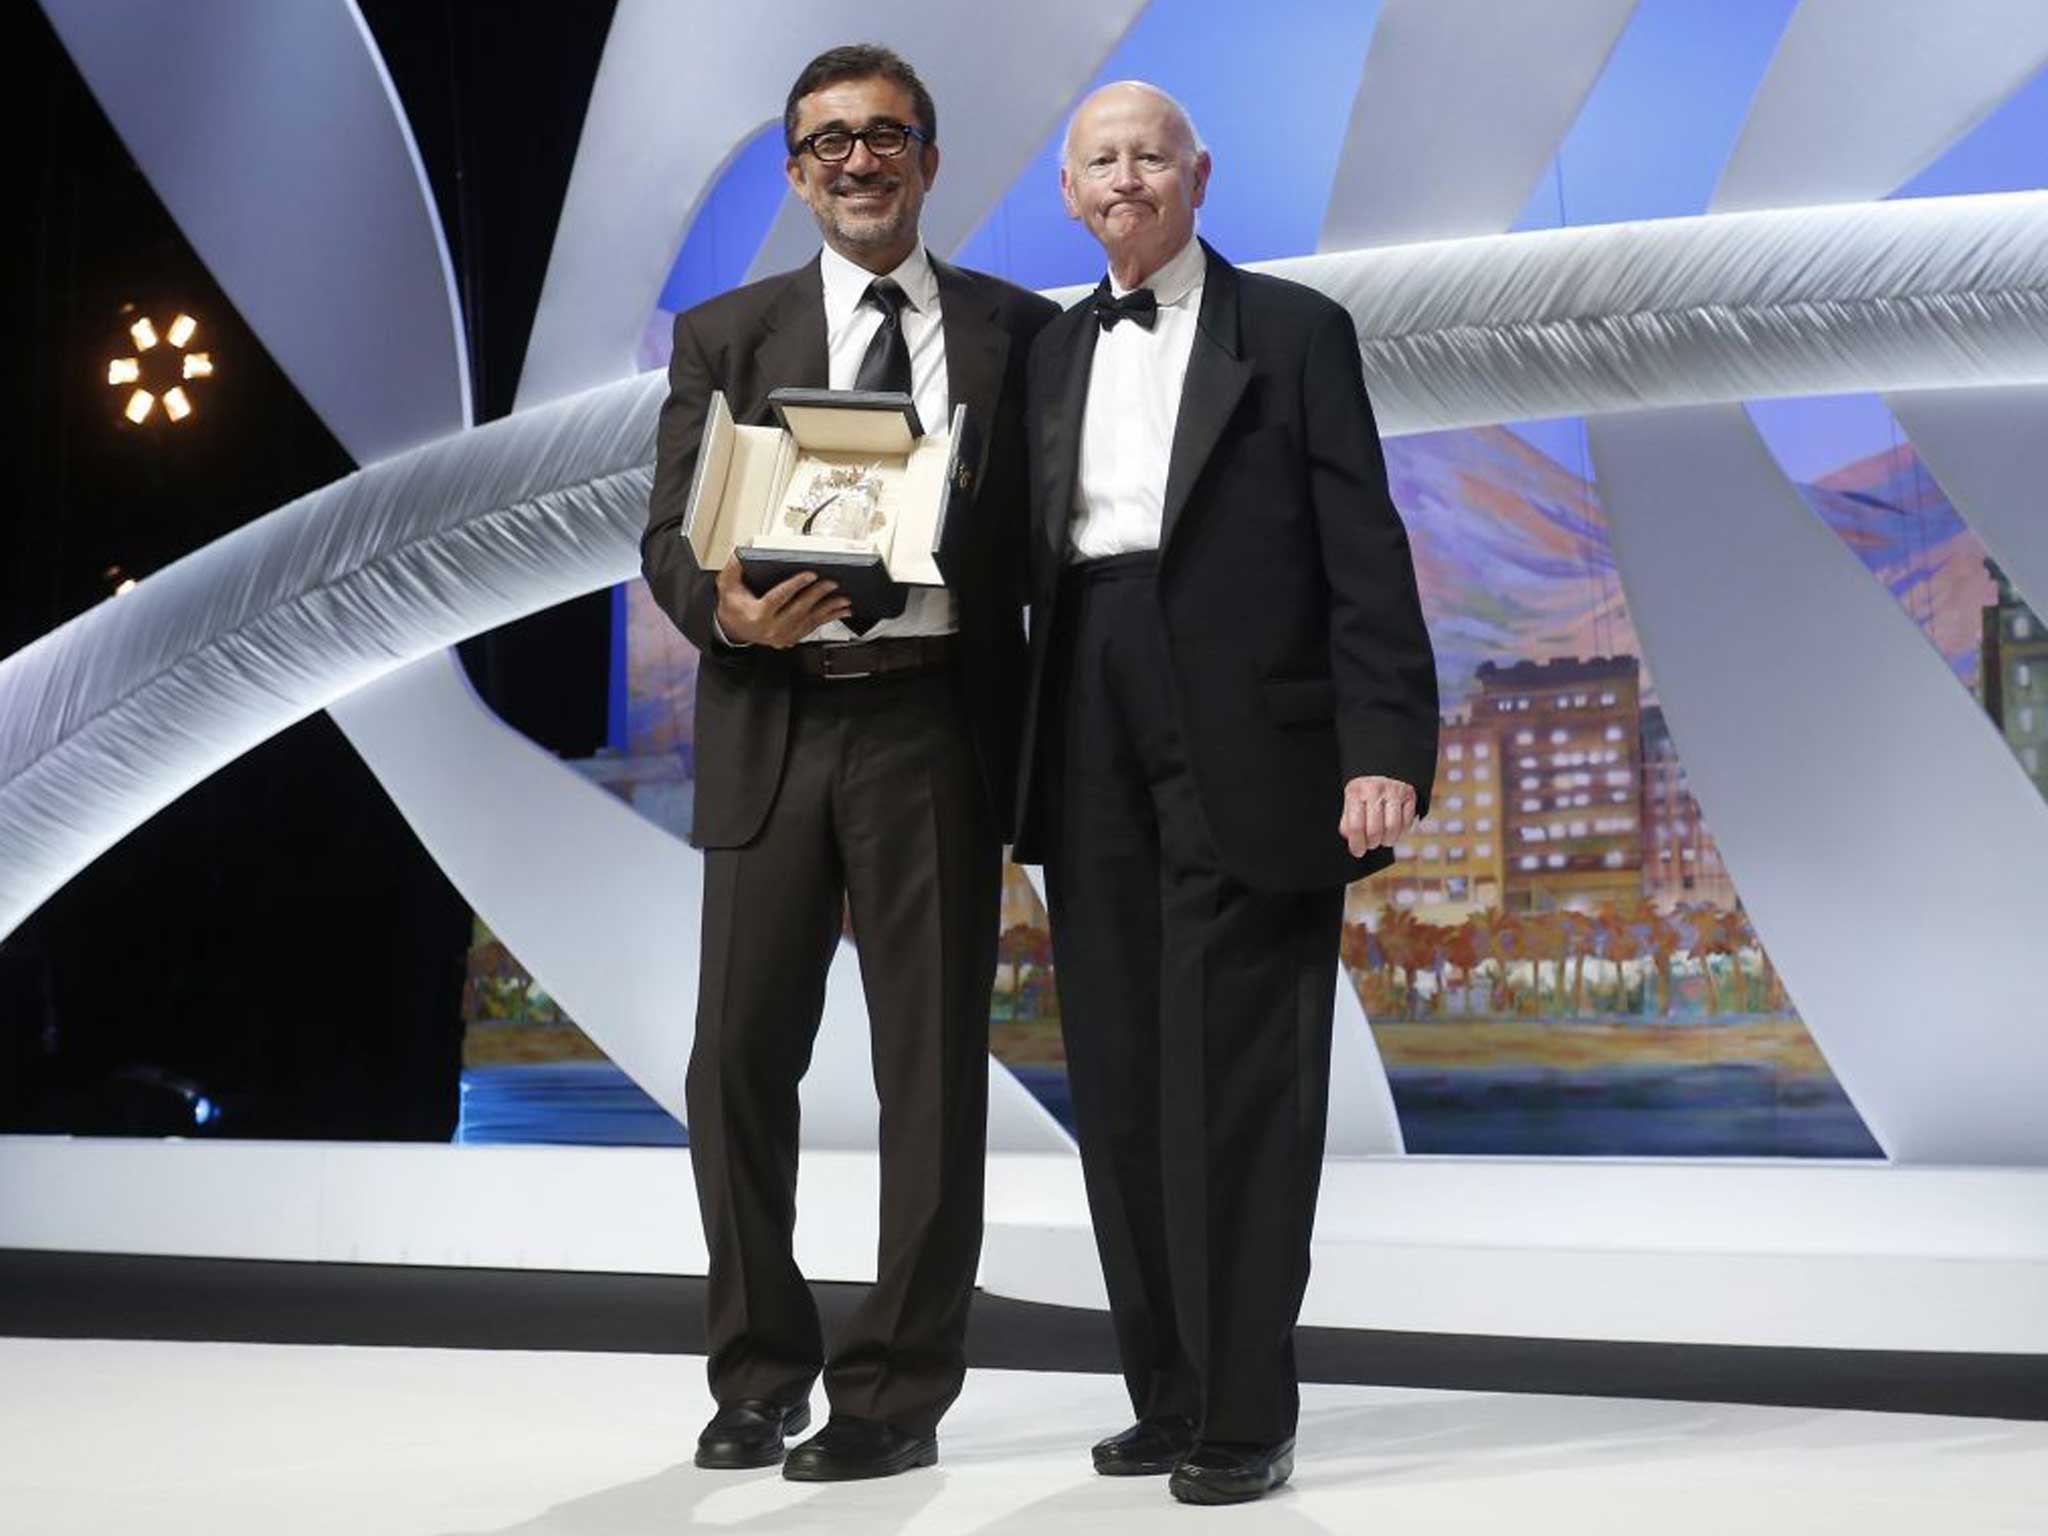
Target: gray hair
1187, 121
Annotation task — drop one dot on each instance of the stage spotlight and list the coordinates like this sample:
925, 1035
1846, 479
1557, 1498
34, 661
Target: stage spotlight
124, 586
159, 381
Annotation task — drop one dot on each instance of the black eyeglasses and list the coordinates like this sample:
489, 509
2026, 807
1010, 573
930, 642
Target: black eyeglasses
886, 140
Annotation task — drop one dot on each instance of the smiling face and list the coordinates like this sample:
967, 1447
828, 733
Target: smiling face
866, 207
1133, 175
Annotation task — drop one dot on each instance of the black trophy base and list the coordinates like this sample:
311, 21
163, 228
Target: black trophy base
862, 579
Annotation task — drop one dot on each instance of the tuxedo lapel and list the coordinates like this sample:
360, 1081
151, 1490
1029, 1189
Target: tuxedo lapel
977, 348
1216, 379
792, 351
1059, 428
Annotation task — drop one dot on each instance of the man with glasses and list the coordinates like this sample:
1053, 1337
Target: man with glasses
870, 773
1233, 714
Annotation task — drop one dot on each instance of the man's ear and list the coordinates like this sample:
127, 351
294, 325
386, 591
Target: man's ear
930, 165
793, 168
1200, 190
1067, 192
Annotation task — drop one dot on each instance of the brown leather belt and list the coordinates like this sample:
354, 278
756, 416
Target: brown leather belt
844, 661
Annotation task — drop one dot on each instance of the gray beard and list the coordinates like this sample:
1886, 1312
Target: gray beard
865, 234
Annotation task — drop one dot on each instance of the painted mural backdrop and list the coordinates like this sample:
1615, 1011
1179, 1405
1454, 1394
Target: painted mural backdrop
1559, 962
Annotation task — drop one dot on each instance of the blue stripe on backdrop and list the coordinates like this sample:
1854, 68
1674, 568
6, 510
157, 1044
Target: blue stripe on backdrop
1273, 105
2007, 152
731, 223
1664, 115
618, 722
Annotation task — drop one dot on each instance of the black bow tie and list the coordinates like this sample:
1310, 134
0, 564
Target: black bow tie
1140, 306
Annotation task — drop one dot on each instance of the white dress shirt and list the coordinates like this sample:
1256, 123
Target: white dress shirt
849, 326
1134, 385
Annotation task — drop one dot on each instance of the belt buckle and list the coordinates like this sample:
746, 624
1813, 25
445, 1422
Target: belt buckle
835, 648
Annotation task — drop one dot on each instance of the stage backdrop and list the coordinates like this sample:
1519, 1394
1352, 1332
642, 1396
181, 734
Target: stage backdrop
1559, 963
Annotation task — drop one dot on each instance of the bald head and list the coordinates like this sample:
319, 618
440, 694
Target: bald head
1134, 173
1140, 94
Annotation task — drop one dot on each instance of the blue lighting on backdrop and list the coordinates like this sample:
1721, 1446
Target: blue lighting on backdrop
1273, 105
2007, 152
1664, 115
731, 223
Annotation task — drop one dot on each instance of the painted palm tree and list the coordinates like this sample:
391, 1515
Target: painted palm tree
1582, 936
1768, 993
1662, 943
1462, 952
1712, 937
1641, 933
1398, 935
1614, 942
1360, 951
1547, 941
1502, 941
1022, 946
1435, 940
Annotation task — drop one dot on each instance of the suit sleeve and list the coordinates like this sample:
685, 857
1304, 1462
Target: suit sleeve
1380, 657
1013, 550
687, 595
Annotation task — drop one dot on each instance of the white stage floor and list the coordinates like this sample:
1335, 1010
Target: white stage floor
227, 1439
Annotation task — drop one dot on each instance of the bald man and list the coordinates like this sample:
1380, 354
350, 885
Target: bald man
1233, 714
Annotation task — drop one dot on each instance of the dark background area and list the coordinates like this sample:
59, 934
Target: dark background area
276, 940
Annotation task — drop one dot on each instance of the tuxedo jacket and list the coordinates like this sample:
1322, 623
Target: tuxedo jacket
769, 335
1293, 628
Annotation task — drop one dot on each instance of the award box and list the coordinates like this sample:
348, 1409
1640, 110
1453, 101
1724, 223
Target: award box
847, 485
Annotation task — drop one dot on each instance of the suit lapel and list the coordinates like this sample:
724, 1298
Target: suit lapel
1216, 379
792, 352
1059, 428
977, 349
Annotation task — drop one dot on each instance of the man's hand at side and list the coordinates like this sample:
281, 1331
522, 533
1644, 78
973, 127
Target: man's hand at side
780, 617
1377, 813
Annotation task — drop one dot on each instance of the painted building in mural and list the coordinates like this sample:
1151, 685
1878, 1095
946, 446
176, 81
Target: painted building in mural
1450, 866
1576, 836
2015, 677
1681, 860
1570, 735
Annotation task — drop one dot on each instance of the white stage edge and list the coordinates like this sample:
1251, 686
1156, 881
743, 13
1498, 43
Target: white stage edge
1827, 1255
252, 1440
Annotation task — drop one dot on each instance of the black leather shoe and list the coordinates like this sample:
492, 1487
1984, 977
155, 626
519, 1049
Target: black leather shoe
1231, 1474
749, 1434
848, 1448
1148, 1448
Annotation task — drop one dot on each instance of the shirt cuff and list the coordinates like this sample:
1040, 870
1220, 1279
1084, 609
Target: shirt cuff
726, 640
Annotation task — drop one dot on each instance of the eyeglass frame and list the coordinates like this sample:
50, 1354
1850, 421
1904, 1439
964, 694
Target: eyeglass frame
912, 134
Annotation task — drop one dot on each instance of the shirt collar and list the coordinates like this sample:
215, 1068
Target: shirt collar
846, 283
1172, 283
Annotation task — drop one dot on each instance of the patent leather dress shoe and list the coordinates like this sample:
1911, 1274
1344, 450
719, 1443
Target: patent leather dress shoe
749, 1434
848, 1448
1150, 1447
1231, 1474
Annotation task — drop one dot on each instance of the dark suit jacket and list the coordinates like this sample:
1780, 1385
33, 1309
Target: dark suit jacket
771, 334
1298, 653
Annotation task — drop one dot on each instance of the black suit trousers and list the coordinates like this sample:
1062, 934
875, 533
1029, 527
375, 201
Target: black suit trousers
1197, 1016
880, 808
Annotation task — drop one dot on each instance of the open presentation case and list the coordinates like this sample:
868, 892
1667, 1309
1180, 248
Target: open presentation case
848, 485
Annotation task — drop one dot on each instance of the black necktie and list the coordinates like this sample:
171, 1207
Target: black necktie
886, 364
1140, 306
